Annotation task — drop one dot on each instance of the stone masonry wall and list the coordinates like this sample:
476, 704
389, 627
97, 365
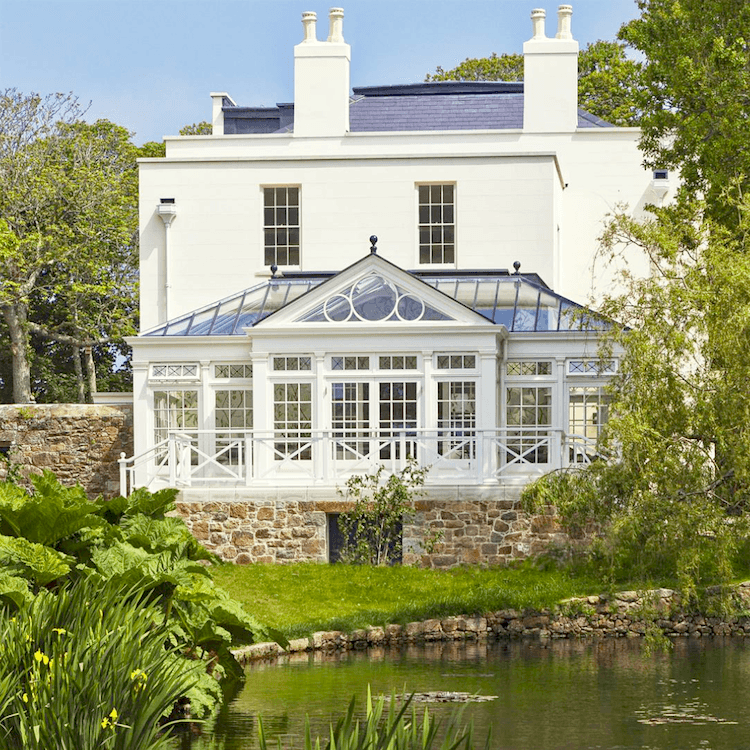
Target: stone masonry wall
477, 525
627, 614
80, 443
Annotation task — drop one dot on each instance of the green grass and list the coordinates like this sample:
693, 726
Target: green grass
302, 598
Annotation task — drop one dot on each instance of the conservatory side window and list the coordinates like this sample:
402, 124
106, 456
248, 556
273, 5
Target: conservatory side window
587, 415
233, 416
292, 421
176, 411
528, 417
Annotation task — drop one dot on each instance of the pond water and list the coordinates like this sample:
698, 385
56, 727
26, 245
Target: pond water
561, 695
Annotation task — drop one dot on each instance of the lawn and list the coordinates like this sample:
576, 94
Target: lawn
301, 598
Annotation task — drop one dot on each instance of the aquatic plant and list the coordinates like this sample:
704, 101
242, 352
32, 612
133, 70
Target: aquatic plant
398, 728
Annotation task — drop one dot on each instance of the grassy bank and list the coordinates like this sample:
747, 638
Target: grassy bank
301, 598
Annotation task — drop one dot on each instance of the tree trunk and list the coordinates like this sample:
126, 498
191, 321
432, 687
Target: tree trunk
80, 382
88, 361
15, 316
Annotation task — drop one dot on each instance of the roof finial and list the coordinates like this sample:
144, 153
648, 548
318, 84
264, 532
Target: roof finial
373, 244
517, 266
274, 268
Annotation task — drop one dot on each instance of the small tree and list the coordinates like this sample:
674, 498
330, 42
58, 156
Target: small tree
372, 528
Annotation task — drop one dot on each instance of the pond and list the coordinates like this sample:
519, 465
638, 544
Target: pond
559, 695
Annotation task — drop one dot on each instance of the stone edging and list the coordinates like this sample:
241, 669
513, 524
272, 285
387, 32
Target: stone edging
626, 614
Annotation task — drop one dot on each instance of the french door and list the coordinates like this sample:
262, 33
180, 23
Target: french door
376, 419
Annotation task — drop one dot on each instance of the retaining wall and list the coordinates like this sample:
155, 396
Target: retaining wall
628, 614
80, 443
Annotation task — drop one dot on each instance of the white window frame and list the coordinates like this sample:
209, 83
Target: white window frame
274, 227
429, 225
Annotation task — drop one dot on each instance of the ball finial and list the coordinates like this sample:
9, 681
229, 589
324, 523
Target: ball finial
373, 243
517, 265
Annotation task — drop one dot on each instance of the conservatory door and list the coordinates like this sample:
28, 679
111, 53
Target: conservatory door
374, 422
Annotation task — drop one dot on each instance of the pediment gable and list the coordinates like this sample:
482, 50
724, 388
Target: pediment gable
373, 291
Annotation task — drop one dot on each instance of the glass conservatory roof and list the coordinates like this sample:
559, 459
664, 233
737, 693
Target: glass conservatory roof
519, 302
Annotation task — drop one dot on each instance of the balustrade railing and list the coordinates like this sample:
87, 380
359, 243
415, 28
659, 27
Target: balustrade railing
454, 456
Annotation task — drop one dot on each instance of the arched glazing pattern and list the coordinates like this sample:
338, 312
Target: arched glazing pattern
373, 299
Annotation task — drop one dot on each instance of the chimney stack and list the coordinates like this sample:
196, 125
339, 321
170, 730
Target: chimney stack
550, 81
321, 79
564, 12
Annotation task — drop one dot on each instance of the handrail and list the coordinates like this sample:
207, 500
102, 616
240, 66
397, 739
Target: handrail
456, 454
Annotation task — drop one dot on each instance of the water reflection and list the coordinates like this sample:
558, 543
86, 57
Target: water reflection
563, 695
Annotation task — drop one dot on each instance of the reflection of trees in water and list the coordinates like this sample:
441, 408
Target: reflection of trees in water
552, 694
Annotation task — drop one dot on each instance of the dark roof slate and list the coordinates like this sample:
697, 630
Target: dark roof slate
444, 105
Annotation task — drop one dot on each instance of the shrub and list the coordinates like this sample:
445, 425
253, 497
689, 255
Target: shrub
372, 530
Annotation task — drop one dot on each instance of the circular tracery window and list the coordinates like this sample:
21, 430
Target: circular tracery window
373, 299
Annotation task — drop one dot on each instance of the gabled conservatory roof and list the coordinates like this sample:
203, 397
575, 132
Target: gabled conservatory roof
520, 302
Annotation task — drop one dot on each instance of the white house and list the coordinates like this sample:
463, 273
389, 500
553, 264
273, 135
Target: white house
370, 274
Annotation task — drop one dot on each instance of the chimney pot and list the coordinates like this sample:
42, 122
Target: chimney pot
564, 12
309, 20
336, 25
537, 23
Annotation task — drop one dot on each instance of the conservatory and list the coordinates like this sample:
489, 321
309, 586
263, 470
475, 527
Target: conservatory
304, 379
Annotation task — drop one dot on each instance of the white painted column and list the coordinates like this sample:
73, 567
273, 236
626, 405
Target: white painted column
321, 449
206, 441
262, 455
143, 415
429, 410
488, 405
559, 405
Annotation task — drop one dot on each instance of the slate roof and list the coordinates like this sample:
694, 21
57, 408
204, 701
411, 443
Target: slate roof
439, 105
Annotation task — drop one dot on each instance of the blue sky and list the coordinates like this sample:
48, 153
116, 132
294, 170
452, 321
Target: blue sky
149, 65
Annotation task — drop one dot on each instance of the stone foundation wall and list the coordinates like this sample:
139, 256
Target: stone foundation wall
80, 443
477, 525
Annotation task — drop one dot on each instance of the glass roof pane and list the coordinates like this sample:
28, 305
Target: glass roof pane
549, 308
226, 318
178, 327
202, 322
514, 301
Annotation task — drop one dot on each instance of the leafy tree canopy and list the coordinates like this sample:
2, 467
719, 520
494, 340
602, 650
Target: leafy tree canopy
674, 499
694, 92
68, 239
607, 78
198, 128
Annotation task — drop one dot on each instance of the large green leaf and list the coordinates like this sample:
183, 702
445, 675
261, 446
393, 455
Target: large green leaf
159, 534
52, 513
40, 564
124, 564
14, 589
